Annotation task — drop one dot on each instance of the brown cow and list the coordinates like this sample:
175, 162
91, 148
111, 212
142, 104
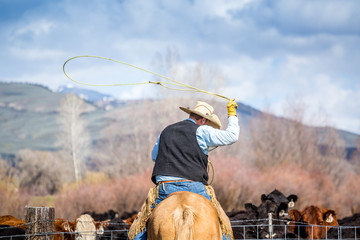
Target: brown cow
130, 220
312, 222
12, 221
293, 225
83, 228
65, 229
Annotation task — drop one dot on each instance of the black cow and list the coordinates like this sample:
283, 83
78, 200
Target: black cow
278, 197
347, 228
254, 221
111, 214
273, 219
243, 222
116, 230
9, 232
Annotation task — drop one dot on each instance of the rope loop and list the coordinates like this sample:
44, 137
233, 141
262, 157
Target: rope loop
185, 87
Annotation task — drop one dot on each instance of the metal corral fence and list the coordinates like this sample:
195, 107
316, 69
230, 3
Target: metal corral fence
253, 230
241, 229
40, 225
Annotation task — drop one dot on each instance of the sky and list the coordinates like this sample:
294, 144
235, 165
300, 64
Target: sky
272, 53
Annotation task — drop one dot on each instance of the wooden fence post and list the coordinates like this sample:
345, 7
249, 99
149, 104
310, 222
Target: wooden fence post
39, 223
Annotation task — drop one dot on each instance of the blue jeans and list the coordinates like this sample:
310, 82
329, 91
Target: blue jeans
167, 188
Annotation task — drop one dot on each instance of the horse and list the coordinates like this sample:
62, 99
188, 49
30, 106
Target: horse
184, 216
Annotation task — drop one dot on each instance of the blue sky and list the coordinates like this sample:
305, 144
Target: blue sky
270, 52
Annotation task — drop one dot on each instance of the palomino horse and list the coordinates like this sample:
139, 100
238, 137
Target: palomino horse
184, 216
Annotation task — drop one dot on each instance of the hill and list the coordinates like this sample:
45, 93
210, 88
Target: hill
29, 116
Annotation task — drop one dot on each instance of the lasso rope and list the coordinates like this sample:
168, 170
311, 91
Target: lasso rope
186, 87
173, 82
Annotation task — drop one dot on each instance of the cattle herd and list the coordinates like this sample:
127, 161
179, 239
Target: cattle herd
275, 218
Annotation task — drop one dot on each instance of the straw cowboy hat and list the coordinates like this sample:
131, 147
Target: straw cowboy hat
206, 111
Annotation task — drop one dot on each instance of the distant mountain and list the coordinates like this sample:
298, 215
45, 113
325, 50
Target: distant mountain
104, 101
29, 116
89, 95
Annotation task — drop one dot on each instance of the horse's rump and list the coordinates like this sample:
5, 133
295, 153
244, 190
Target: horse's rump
184, 216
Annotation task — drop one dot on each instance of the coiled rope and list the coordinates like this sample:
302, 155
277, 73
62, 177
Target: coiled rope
185, 87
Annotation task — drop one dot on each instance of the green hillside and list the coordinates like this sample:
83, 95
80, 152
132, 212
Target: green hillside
29, 116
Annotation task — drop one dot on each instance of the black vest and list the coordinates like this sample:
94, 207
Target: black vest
180, 154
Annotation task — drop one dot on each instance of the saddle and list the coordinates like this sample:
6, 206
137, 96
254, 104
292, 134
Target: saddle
140, 221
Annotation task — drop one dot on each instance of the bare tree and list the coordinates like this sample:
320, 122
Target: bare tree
7, 173
332, 161
74, 137
355, 158
38, 172
129, 136
277, 140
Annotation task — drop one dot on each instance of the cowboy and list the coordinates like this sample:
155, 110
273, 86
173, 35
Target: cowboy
181, 157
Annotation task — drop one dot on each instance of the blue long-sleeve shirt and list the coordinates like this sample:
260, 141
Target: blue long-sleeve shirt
207, 138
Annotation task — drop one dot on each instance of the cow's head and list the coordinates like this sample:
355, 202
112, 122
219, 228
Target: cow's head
85, 228
278, 197
292, 199
329, 218
273, 219
251, 210
283, 212
100, 226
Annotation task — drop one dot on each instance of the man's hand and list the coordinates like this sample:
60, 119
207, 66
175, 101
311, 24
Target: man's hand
231, 107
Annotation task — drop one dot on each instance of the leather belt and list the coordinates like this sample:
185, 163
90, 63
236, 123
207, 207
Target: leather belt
170, 181
185, 180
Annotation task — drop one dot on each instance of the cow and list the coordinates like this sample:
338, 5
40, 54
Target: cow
243, 222
313, 222
295, 223
129, 217
349, 227
273, 219
12, 221
126, 214
83, 227
13, 233
278, 197
60, 225
116, 229
273, 214
110, 214
254, 221
64, 229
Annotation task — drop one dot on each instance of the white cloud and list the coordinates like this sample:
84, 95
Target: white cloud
31, 30
51, 80
270, 51
135, 92
307, 17
35, 53
221, 8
